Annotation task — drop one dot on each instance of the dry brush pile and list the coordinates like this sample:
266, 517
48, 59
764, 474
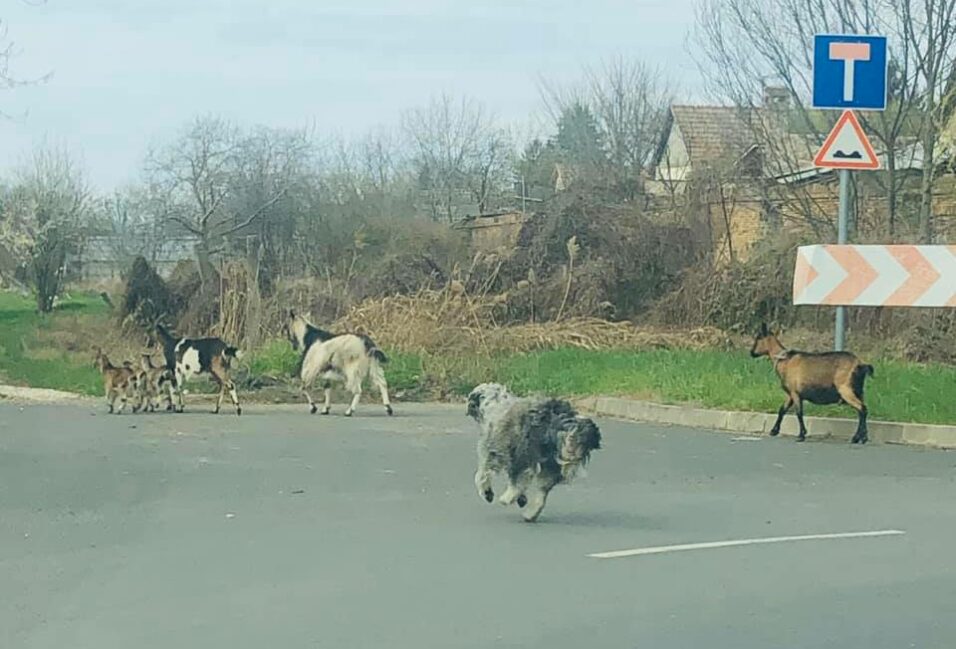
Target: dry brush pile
451, 322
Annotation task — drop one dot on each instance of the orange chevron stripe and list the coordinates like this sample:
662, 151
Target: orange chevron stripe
859, 275
922, 275
803, 275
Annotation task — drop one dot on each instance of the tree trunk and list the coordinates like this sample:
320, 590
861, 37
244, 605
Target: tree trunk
928, 181
891, 190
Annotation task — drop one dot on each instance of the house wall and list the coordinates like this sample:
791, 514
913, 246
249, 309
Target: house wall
496, 233
750, 222
675, 162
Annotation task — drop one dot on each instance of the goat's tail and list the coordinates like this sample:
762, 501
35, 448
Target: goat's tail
233, 352
859, 377
372, 350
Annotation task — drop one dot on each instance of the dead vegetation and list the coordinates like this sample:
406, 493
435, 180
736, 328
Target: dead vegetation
451, 322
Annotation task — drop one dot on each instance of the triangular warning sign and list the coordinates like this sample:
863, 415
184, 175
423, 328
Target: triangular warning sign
847, 146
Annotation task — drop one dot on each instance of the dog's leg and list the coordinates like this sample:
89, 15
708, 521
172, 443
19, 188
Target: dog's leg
483, 475
516, 489
537, 497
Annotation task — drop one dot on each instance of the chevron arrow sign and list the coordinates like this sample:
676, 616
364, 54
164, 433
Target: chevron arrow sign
875, 275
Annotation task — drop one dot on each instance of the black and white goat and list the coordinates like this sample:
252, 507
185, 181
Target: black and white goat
349, 358
187, 358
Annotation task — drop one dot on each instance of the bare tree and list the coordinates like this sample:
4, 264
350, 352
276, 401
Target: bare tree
746, 43
216, 181
44, 218
629, 101
929, 31
457, 154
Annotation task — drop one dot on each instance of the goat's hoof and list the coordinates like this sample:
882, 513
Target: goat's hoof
801, 438
488, 495
348, 413
314, 409
325, 411
389, 411
774, 432
238, 411
522, 500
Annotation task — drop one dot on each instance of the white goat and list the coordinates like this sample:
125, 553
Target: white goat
349, 358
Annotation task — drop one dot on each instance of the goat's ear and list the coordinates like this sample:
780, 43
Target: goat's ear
291, 313
763, 329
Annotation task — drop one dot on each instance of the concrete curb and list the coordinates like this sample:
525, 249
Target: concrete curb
40, 395
760, 423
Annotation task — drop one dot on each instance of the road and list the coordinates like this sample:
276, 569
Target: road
280, 529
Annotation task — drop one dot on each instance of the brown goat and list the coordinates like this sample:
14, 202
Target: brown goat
154, 380
821, 378
118, 382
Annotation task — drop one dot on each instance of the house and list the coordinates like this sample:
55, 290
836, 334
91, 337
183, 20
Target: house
745, 172
107, 257
767, 141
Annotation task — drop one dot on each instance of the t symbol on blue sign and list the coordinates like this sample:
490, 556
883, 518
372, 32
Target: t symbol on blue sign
849, 72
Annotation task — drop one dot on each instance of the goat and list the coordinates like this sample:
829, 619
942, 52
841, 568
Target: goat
187, 358
153, 381
337, 357
818, 377
118, 382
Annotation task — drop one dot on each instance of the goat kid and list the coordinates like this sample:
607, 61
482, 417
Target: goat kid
349, 358
188, 358
818, 377
154, 381
119, 383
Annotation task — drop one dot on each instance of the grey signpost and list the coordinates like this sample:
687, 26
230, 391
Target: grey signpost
849, 72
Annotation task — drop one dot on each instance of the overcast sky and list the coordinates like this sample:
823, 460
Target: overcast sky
127, 73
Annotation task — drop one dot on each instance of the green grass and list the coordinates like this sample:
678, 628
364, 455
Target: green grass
29, 353
898, 392
53, 352
277, 359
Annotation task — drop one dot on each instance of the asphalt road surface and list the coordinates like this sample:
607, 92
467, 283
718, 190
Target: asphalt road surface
286, 530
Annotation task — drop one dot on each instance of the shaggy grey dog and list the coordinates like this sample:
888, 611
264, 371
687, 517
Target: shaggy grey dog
538, 443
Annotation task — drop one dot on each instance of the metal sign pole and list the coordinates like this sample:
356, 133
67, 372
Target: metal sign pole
839, 336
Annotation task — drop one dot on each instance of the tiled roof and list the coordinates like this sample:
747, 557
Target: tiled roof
713, 133
724, 134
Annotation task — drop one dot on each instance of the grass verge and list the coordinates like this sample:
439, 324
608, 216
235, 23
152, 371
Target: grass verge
53, 352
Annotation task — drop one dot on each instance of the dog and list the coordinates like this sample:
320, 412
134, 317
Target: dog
538, 443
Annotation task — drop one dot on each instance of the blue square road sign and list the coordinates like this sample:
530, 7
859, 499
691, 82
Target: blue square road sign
849, 72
